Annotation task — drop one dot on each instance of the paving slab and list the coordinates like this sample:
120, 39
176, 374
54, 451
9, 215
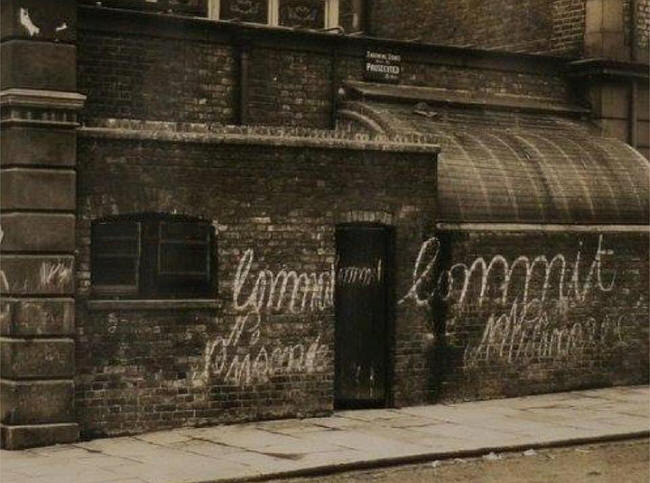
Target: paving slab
346, 440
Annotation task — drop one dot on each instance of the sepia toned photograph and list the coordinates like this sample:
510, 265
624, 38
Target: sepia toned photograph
324, 241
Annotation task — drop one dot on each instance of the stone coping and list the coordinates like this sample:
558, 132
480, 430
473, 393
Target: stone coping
43, 99
460, 97
130, 129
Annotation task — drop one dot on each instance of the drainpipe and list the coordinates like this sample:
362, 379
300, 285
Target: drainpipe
632, 114
334, 85
633, 94
634, 51
242, 92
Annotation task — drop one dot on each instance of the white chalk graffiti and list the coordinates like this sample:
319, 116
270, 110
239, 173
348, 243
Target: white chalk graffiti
454, 283
240, 358
530, 299
285, 290
54, 276
27, 23
363, 276
5, 313
224, 357
512, 337
4, 283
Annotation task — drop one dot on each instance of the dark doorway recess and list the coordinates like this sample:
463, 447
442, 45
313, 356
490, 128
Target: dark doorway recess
364, 269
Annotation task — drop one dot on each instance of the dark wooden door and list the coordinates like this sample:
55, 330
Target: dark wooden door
362, 315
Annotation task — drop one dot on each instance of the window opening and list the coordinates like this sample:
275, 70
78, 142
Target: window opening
152, 256
313, 14
196, 8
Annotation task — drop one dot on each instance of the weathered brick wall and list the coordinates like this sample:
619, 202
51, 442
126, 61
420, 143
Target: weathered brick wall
274, 208
528, 312
155, 78
639, 22
643, 23
489, 81
567, 37
535, 26
175, 74
290, 88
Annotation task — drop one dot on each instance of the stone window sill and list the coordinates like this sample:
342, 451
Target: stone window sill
166, 304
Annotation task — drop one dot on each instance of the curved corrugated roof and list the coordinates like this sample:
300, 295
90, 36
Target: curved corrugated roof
520, 167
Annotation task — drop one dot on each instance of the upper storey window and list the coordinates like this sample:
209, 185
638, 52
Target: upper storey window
313, 14
198, 8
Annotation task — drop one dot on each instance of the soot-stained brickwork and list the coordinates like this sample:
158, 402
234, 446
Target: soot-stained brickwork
637, 16
507, 24
555, 27
155, 78
175, 74
529, 312
488, 308
567, 37
290, 88
256, 351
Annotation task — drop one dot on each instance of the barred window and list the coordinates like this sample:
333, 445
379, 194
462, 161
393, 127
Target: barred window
313, 14
152, 256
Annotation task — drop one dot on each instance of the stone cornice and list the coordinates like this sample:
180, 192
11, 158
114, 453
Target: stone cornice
605, 68
41, 99
40, 108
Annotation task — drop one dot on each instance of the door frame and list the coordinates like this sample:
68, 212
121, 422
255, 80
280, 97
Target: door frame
389, 351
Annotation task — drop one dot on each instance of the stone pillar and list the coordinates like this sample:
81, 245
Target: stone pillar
609, 77
39, 107
605, 30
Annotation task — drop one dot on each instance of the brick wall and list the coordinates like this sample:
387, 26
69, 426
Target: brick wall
568, 30
273, 207
155, 78
641, 26
643, 23
530, 312
172, 73
143, 367
290, 88
488, 81
535, 26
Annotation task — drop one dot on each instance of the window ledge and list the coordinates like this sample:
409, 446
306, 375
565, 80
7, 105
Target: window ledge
149, 304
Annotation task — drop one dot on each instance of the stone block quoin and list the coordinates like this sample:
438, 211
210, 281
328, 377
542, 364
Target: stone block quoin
39, 106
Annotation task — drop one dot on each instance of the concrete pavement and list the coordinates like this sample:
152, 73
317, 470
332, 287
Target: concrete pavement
347, 440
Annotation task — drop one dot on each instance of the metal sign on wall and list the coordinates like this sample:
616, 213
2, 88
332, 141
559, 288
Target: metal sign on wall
383, 66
